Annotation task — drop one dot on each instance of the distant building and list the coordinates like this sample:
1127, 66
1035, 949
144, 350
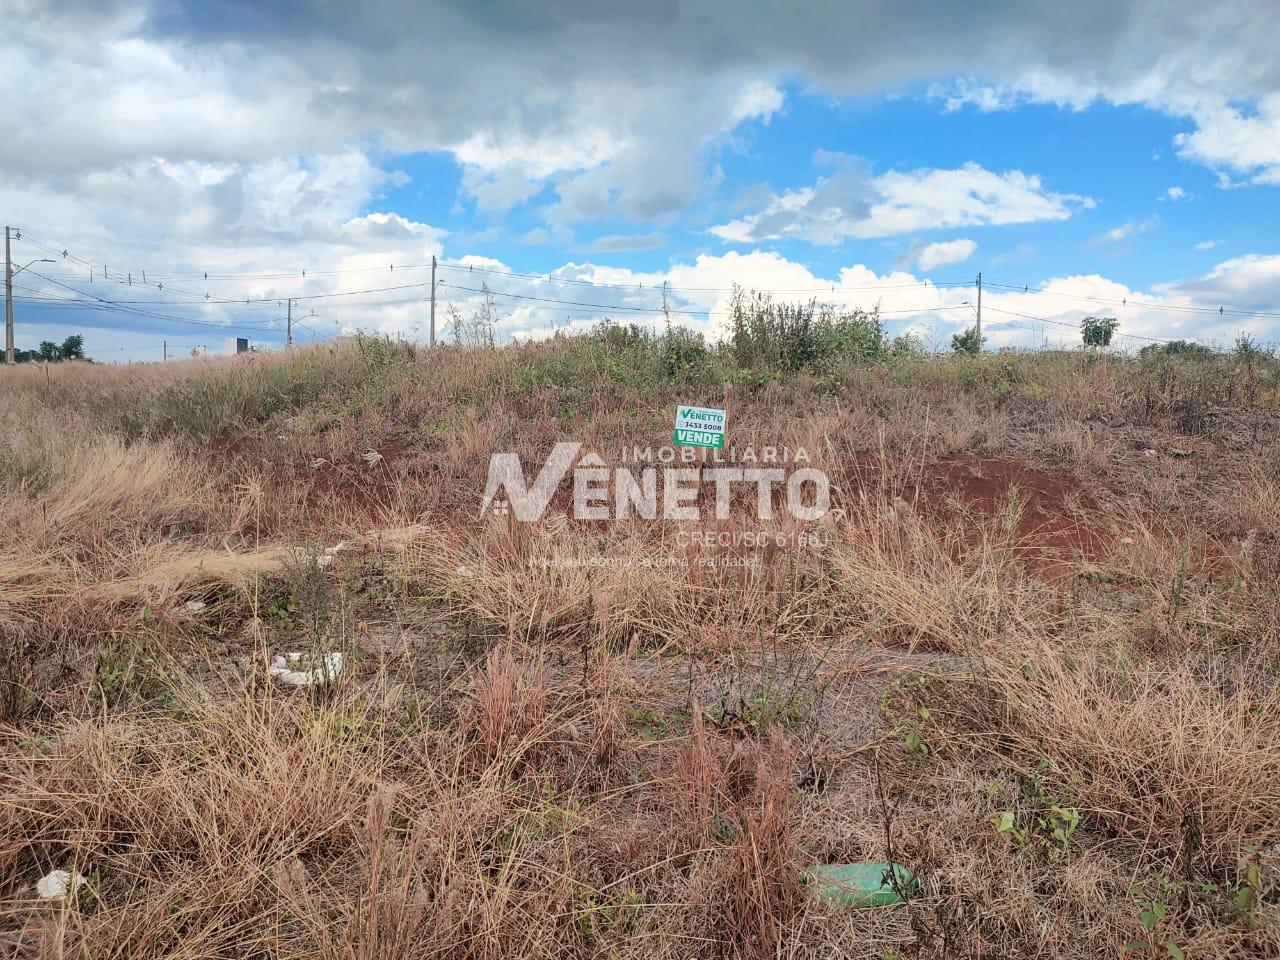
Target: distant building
242, 344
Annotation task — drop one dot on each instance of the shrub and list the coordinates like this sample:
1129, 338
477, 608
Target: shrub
792, 337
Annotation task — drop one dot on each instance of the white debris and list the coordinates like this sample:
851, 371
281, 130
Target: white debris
464, 571
371, 457
195, 606
56, 884
330, 554
293, 668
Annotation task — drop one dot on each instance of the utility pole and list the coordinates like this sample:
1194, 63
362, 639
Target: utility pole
8, 300
433, 300
288, 336
164, 347
979, 311
9, 274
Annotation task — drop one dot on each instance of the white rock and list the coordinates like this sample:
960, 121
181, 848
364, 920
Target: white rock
292, 668
56, 884
195, 606
464, 571
324, 560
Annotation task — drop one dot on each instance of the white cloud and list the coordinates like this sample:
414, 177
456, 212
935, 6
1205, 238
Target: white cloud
758, 101
1206, 244
1126, 231
627, 242
851, 203
1204, 82
1175, 193
948, 251
1231, 139
967, 92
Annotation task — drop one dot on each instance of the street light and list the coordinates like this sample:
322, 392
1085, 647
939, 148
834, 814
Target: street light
25, 265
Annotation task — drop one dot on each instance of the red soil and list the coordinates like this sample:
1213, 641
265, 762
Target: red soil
1052, 511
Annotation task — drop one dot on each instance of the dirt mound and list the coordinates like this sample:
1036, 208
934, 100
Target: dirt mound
1051, 516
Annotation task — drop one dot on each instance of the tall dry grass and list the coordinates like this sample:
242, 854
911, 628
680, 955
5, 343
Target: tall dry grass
536, 772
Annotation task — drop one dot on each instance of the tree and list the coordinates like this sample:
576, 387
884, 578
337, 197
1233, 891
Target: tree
967, 342
49, 351
1097, 331
73, 347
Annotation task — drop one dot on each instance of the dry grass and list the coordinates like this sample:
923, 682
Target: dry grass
557, 739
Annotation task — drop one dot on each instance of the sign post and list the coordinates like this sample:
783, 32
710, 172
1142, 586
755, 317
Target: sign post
699, 427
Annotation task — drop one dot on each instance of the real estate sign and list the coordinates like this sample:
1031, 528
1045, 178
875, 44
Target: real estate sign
699, 427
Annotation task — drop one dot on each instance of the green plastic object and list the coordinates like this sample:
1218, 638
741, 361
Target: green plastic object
859, 884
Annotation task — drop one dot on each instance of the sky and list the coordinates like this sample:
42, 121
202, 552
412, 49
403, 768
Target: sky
190, 166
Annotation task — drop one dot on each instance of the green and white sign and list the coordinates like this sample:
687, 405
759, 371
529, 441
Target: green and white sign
699, 427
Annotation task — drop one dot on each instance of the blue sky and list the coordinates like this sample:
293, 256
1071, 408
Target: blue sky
1117, 158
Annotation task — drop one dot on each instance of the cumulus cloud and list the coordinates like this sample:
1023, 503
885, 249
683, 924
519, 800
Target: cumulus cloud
610, 107
1236, 140
851, 203
1207, 78
947, 251
699, 293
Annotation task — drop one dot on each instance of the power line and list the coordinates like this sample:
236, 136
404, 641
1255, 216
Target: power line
459, 265
103, 303
1063, 323
1130, 302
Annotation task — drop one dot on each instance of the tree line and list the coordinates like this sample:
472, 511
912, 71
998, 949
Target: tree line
71, 348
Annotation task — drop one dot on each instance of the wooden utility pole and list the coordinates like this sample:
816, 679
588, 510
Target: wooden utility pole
979, 312
8, 300
164, 348
433, 300
288, 335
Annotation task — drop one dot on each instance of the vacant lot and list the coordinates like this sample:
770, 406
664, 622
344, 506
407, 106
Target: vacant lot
1032, 656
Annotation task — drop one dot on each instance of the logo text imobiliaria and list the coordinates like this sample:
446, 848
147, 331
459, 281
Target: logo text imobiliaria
601, 492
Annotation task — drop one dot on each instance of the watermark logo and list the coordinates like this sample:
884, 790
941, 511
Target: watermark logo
665, 482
